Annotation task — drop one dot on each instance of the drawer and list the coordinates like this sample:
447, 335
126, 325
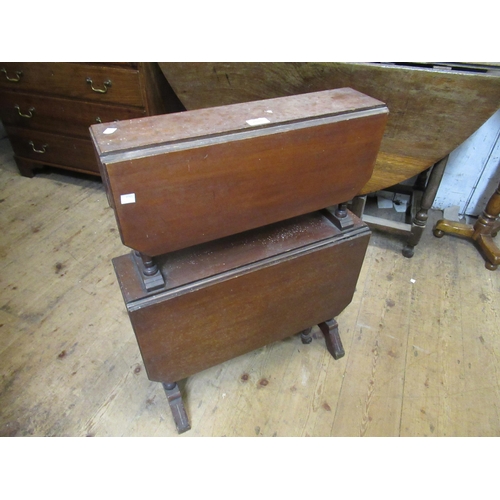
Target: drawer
53, 149
59, 115
112, 84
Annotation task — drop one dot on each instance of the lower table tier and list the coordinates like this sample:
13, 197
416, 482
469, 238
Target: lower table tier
229, 297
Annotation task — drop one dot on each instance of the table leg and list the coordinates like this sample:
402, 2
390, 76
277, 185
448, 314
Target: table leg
358, 206
305, 336
420, 220
334, 345
340, 216
174, 398
149, 272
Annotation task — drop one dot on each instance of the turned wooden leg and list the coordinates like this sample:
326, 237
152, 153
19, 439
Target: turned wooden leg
340, 216
486, 228
150, 274
481, 233
177, 406
330, 330
420, 220
305, 336
150, 268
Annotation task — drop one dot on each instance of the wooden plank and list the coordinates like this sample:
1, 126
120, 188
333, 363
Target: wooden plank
434, 357
451, 384
392, 226
370, 401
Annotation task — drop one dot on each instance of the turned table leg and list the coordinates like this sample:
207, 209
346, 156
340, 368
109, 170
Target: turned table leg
150, 274
340, 216
177, 406
420, 220
481, 233
305, 336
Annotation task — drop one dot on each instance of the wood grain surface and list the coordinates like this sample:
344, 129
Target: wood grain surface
432, 110
246, 301
203, 175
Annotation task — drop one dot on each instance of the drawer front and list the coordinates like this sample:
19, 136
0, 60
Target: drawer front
53, 149
59, 115
113, 84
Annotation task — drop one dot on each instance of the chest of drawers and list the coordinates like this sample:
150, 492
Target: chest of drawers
47, 108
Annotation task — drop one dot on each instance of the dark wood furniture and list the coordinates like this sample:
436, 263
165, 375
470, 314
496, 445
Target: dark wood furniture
229, 297
422, 195
181, 179
237, 221
47, 108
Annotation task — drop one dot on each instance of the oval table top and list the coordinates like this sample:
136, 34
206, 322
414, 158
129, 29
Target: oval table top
433, 107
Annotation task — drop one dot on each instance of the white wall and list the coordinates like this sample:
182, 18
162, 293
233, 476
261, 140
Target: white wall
473, 171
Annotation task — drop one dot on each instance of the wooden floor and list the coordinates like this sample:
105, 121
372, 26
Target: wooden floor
422, 338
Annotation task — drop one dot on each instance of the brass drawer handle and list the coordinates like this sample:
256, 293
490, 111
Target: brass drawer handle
30, 112
44, 148
19, 74
106, 84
